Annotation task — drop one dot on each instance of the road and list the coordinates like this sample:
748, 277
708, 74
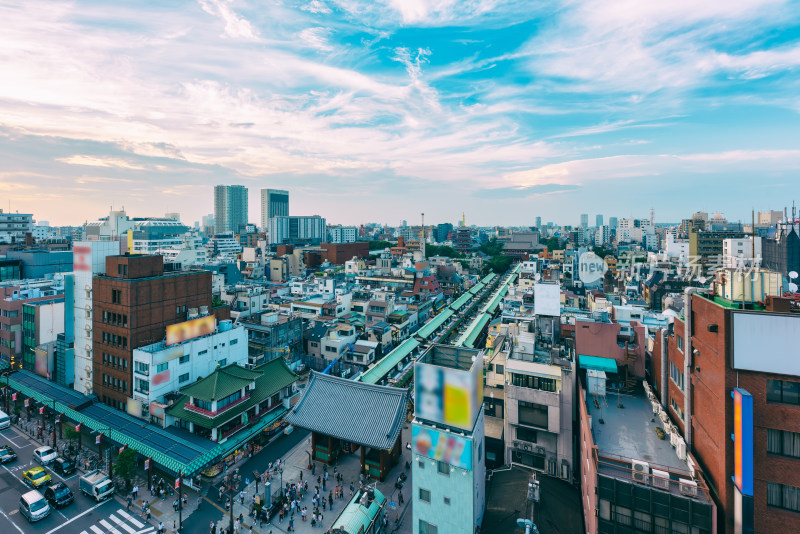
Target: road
82, 516
85, 516
200, 519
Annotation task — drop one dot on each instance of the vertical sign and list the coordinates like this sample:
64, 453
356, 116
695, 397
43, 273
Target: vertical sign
742, 461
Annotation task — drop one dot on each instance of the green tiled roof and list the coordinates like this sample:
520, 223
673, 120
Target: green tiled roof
356, 518
221, 383
270, 378
375, 373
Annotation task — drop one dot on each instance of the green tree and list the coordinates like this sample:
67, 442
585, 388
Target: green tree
493, 247
380, 245
126, 466
443, 250
553, 243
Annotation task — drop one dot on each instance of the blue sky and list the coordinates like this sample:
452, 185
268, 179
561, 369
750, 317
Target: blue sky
380, 110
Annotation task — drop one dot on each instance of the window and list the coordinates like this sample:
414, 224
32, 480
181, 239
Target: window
676, 375
183, 359
427, 528
206, 405
534, 382
233, 397
783, 391
498, 369
532, 414
786, 497
783, 442
223, 362
447, 501
234, 341
622, 515
183, 378
142, 368
202, 352
424, 495
161, 367
443, 468
526, 434
116, 296
679, 342
421, 464
676, 407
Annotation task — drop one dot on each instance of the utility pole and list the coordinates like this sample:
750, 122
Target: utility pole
179, 483
231, 484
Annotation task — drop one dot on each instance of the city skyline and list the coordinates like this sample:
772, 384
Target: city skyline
368, 112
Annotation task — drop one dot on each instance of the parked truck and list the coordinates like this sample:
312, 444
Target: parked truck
96, 485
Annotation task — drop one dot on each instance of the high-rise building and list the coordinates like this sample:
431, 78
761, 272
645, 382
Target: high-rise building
612, 223
297, 230
598, 220
584, 220
442, 231
133, 303
538, 223
14, 226
230, 208
447, 441
274, 203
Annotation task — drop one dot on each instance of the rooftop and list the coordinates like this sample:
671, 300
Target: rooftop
629, 432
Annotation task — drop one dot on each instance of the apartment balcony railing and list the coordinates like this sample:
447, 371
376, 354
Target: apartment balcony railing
208, 413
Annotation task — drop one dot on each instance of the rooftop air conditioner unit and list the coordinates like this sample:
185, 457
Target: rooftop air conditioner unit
680, 448
664, 417
641, 471
660, 479
673, 438
656, 407
688, 487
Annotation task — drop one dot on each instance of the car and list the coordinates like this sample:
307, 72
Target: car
7, 454
45, 455
33, 506
59, 495
63, 466
36, 477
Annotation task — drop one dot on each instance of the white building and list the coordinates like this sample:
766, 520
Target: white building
159, 369
223, 245
677, 248
342, 234
88, 259
14, 226
190, 252
740, 252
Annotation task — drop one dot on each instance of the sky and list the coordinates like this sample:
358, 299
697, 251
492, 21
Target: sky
379, 110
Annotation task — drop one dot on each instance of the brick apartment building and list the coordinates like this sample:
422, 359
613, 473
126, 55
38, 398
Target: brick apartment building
746, 346
133, 303
338, 253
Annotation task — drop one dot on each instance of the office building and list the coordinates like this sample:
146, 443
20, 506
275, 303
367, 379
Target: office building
42, 263
584, 220
538, 223
230, 208
42, 322
14, 226
782, 252
612, 223
442, 231
64, 357
447, 441
729, 378
598, 221
274, 203
742, 252
342, 234
13, 297
134, 303
297, 230
769, 218
705, 247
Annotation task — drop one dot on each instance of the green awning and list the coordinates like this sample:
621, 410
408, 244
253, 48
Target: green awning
609, 365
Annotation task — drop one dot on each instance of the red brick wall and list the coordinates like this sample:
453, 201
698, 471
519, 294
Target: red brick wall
600, 339
587, 455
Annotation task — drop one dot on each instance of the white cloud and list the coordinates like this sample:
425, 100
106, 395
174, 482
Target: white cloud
317, 38
236, 27
316, 6
100, 161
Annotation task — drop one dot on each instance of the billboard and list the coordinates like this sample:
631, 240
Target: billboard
81, 258
448, 396
743, 440
180, 332
442, 446
547, 299
757, 334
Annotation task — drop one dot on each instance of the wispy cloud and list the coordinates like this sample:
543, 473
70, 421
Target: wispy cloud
101, 161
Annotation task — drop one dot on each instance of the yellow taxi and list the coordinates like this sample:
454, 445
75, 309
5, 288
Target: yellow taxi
36, 477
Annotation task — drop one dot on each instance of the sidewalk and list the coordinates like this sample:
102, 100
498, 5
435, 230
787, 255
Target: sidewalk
294, 464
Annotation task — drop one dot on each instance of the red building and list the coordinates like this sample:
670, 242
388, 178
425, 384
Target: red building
754, 347
338, 253
134, 302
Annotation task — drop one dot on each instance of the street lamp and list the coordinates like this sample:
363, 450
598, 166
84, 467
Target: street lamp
230, 483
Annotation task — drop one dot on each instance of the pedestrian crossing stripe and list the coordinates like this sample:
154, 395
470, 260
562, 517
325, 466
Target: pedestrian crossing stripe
107, 528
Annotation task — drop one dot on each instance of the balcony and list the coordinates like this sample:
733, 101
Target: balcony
231, 431
207, 413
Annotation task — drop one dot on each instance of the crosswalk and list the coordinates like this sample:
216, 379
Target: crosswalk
119, 522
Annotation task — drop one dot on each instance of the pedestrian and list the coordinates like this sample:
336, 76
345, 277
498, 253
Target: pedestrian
211, 527
303, 513
236, 526
160, 527
352, 489
130, 500
401, 498
148, 513
280, 516
161, 492
135, 491
241, 497
199, 500
291, 524
301, 475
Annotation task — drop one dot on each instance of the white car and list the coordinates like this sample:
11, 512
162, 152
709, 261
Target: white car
45, 455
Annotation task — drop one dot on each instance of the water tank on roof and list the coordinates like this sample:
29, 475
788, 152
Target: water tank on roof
225, 325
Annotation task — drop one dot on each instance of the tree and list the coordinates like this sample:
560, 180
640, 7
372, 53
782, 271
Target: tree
380, 245
553, 243
71, 434
126, 466
493, 247
444, 250
216, 302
